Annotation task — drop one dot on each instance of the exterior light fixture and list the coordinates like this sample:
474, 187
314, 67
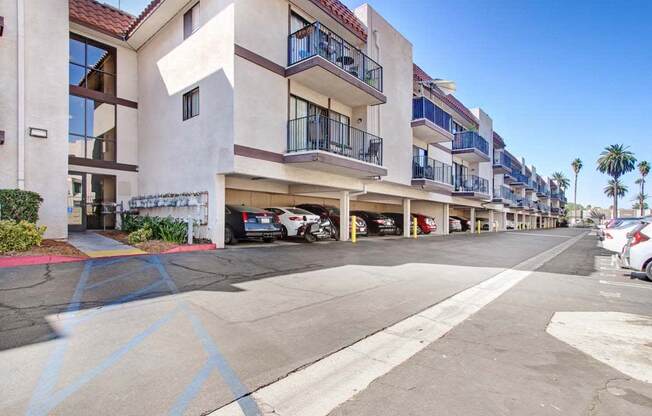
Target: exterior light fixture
39, 133
2, 25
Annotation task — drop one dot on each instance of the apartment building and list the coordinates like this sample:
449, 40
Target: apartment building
196, 104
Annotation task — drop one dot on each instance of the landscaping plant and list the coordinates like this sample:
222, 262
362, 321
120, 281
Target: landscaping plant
19, 235
167, 229
140, 236
19, 205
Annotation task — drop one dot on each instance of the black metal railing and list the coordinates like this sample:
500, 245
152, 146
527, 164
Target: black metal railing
503, 192
317, 40
471, 183
470, 140
502, 160
424, 167
426, 109
322, 133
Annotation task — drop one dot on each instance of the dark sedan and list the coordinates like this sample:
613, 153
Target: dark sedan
377, 223
246, 223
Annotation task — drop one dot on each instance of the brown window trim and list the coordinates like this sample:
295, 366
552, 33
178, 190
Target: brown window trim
112, 49
187, 116
104, 164
100, 96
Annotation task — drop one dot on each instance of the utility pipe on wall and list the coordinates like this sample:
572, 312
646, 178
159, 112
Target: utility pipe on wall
20, 99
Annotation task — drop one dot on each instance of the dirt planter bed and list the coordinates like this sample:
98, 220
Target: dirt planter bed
156, 246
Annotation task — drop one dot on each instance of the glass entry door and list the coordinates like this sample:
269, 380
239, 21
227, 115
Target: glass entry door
91, 201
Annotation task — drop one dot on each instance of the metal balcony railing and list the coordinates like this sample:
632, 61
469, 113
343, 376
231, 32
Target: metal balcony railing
322, 133
471, 183
425, 168
426, 109
470, 140
503, 192
317, 40
502, 160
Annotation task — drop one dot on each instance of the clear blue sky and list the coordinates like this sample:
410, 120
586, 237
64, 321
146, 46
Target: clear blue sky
561, 79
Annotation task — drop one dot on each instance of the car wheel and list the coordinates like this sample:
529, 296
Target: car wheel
419, 230
648, 270
310, 238
284, 232
399, 231
229, 236
335, 233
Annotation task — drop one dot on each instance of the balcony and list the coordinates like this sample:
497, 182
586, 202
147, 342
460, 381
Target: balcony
543, 191
554, 195
526, 204
470, 146
519, 179
555, 211
429, 122
502, 162
326, 63
503, 195
472, 186
432, 175
321, 143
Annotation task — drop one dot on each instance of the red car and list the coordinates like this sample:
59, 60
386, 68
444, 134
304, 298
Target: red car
425, 224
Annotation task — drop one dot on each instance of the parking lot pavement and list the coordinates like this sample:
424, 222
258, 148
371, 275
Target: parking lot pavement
509, 359
190, 333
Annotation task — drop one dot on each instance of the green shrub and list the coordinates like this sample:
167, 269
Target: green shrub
19, 236
140, 236
19, 205
167, 229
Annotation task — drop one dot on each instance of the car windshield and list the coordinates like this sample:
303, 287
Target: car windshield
299, 211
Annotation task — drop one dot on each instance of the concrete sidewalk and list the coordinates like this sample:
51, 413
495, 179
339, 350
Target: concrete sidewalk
95, 245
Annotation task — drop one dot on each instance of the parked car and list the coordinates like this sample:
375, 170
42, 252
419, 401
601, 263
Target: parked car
463, 223
425, 224
637, 254
613, 223
509, 225
454, 225
292, 218
616, 238
376, 223
246, 223
333, 213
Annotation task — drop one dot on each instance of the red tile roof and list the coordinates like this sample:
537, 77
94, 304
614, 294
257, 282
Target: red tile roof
419, 74
101, 17
344, 16
117, 23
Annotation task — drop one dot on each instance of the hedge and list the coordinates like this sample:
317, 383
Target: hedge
19, 236
19, 205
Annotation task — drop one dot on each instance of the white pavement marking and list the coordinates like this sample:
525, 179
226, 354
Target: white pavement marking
620, 340
610, 294
541, 235
642, 286
320, 387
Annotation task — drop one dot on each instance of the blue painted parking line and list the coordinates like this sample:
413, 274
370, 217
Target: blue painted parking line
45, 398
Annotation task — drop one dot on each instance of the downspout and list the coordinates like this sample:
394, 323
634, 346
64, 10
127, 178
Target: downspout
20, 107
378, 107
358, 193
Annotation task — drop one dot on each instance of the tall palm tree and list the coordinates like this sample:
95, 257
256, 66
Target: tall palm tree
562, 181
615, 160
639, 202
615, 189
577, 167
643, 170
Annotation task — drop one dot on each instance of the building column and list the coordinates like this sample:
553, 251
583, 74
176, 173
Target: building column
216, 211
492, 219
446, 218
504, 221
472, 220
345, 220
407, 215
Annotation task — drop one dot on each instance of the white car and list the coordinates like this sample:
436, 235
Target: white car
292, 218
616, 238
637, 254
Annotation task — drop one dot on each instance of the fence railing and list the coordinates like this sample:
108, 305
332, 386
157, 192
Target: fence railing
425, 168
470, 140
471, 183
424, 108
503, 192
317, 40
322, 133
501, 159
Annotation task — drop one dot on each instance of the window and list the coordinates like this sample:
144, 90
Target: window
297, 22
91, 129
91, 65
191, 21
457, 128
191, 104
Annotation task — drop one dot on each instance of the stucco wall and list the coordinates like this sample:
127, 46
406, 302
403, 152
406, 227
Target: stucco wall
177, 155
45, 105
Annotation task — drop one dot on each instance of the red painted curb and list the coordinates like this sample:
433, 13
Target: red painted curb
194, 247
36, 260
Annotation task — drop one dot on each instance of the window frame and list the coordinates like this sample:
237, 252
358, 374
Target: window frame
187, 112
87, 69
189, 22
85, 136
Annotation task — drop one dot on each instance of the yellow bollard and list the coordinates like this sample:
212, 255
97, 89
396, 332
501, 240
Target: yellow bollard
414, 227
354, 229
479, 227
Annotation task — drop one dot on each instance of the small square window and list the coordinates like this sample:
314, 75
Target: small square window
191, 21
191, 104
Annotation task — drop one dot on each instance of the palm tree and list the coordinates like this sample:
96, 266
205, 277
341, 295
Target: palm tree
615, 189
577, 166
643, 170
616, 161
639, 203
562, 181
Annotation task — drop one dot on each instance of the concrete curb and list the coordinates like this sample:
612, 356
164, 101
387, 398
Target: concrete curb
36, 260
